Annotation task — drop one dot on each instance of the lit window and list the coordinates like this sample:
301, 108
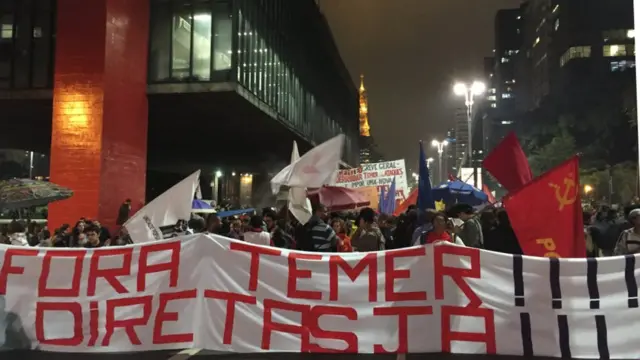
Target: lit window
519, 17
6, 31
556, 26
504, 60
507, 122
537, 41
618, 34
493, 105
492, 90
614, 50
491, 97
622, 65
575, 52
37, 32
556, 8
507, 95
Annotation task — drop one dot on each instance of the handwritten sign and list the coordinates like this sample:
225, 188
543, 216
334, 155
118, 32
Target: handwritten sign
380, 175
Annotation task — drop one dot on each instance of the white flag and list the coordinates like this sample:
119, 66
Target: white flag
297, 201
317, 167
173, 205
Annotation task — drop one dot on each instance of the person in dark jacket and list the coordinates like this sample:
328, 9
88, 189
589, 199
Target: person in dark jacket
124, 212
318, 235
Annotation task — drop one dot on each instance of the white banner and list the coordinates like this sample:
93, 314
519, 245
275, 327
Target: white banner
215, 293
379, 174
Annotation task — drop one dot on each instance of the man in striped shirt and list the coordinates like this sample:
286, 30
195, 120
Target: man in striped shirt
318, 235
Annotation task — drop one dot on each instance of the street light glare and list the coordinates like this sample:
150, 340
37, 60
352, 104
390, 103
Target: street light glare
478, 88
435, 143
429, 160
218, 173
459, 89
445, 143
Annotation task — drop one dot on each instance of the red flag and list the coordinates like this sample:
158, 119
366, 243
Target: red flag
508, 164
486, 191
546, 214
411, 200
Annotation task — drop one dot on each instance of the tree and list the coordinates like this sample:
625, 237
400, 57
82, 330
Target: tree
561, 148
624, 178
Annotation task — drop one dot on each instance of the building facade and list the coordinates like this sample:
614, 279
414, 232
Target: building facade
221, 85
571, 48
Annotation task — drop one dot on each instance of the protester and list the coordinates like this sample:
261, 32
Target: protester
124, 212
17, 233
92, 237
471, 231
629, 240
339, 226
318, 235
256, 234
368, 237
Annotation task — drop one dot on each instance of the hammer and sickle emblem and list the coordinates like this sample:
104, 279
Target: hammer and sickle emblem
570, 193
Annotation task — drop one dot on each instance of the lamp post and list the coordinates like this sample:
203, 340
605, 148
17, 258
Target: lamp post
216, 185
469, 91
440, 145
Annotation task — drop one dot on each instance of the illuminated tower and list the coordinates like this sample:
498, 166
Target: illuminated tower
368, 150
364, 110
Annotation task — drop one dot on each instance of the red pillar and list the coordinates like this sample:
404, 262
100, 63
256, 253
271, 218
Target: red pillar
100, 110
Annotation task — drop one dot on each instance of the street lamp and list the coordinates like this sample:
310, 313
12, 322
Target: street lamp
439, 145
215, 184
588, 189
477, 88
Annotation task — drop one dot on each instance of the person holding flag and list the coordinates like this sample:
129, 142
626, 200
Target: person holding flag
546, 214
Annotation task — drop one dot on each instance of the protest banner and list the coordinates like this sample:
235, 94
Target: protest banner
380, 175
210, 292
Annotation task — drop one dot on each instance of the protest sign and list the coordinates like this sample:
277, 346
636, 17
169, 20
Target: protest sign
210, 292
380, 175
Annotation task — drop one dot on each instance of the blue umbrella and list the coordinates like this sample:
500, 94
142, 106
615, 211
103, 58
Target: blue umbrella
459, 192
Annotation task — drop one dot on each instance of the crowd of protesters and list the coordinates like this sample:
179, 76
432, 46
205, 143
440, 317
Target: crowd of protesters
608, 231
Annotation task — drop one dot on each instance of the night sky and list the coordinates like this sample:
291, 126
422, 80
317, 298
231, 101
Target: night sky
411, 52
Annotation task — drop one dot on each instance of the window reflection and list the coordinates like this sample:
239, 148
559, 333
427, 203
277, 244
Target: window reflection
202, 45
181, 45
222, 38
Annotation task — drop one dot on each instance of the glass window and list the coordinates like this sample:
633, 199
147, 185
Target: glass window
202, 44
242, 51
622, 65
181, 43
614, 50
575, 52
6, 31
160, 42
222, 32
251, 57
42, 50
22, 49
6, 49
616, 34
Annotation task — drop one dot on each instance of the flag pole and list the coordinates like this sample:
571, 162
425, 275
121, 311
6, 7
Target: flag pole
636, 20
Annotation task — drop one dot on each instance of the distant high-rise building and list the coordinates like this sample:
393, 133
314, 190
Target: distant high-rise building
500, 114
450, 164
572, 47
462, 135
368, 149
